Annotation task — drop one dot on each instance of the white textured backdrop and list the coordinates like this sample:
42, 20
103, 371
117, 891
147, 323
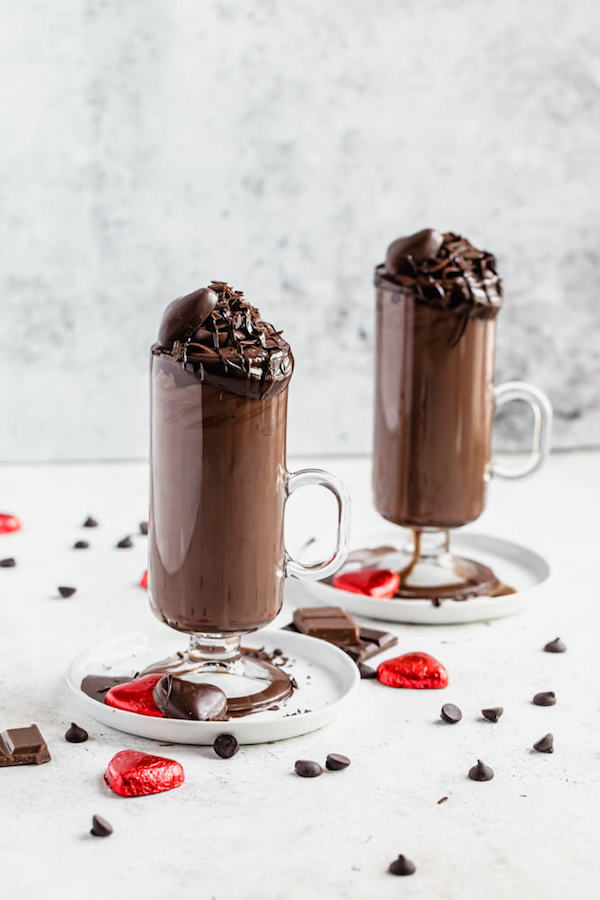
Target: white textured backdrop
151, 145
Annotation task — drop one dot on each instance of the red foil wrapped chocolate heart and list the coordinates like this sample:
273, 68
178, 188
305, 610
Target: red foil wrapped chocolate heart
413, 670
9, 523
136, 696
381, 583
132, 773
144, 580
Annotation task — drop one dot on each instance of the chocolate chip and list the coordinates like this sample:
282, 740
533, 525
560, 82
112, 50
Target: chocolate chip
555, 646
90, 522
307, 768
451, 713
481, 772
65, 591
8, 563
545, 744
545, 698
143, 528
367, 671
226, 746
125, 542
76, 735
80, 545
100, 827
493, 713
336, 761
402, 866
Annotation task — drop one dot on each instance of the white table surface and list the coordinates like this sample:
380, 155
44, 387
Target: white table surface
248, 827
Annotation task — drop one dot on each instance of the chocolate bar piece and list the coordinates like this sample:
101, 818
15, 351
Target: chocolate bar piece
23, 747
330, 623
370, 642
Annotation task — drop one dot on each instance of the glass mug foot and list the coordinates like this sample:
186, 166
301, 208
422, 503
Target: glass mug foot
428, 570
250, 681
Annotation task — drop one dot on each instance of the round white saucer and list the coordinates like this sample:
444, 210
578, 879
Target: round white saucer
325, 677
515, 565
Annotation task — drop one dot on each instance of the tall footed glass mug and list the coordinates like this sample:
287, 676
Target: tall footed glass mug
219, 485
437, 300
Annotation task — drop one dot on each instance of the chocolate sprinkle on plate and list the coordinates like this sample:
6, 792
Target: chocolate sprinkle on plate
100, 827
545, 744
8, 563
80, 545
307, 768
143, 528
226, 746
336, 761
451, 713
481, 772
65, 591
90, 522
75, 734
545, 698
555, 646
402, 866
125, 543
493, 713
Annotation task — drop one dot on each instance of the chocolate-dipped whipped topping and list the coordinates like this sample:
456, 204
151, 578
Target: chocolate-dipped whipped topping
444, 271
222, 338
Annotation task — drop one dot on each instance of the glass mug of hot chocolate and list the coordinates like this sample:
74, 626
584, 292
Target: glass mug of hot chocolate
219, 484
437, 300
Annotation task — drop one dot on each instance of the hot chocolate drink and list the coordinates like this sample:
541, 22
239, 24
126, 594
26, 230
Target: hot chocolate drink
437, 301
219, 402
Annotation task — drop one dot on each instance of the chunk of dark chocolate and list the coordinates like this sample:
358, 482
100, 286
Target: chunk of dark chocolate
336, 761
75, 734
23, 747
307, 768
100, 827
66, 591
330, 623
8, 563
90, 522
226, 745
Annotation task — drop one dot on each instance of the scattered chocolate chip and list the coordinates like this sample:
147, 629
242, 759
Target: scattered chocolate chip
367, 671
402, 866
125, 543
100, 827
307, 768
545, 698
555, 646
451, 713
75, 734
80, 545
493, 713
481, 772
90, 522
143, 528
8, 563
442, 800
226, 746
336, 761
545, 744
65, 591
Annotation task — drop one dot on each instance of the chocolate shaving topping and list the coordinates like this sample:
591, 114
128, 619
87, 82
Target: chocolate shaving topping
445, 272
235, 349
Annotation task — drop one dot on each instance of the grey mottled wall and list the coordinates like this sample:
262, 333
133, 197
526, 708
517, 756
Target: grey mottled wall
151, 145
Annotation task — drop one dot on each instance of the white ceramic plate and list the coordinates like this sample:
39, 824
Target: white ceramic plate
518, 566
325, 677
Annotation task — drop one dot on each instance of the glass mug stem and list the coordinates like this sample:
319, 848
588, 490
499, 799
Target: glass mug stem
542, 426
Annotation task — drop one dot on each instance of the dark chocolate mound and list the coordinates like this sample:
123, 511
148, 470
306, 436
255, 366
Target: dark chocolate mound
234, 348
444, 271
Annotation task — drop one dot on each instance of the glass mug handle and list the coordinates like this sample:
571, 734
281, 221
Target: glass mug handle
542, 424
303, 478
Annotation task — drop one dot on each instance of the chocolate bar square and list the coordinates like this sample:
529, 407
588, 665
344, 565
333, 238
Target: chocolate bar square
330, 623
23, 747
